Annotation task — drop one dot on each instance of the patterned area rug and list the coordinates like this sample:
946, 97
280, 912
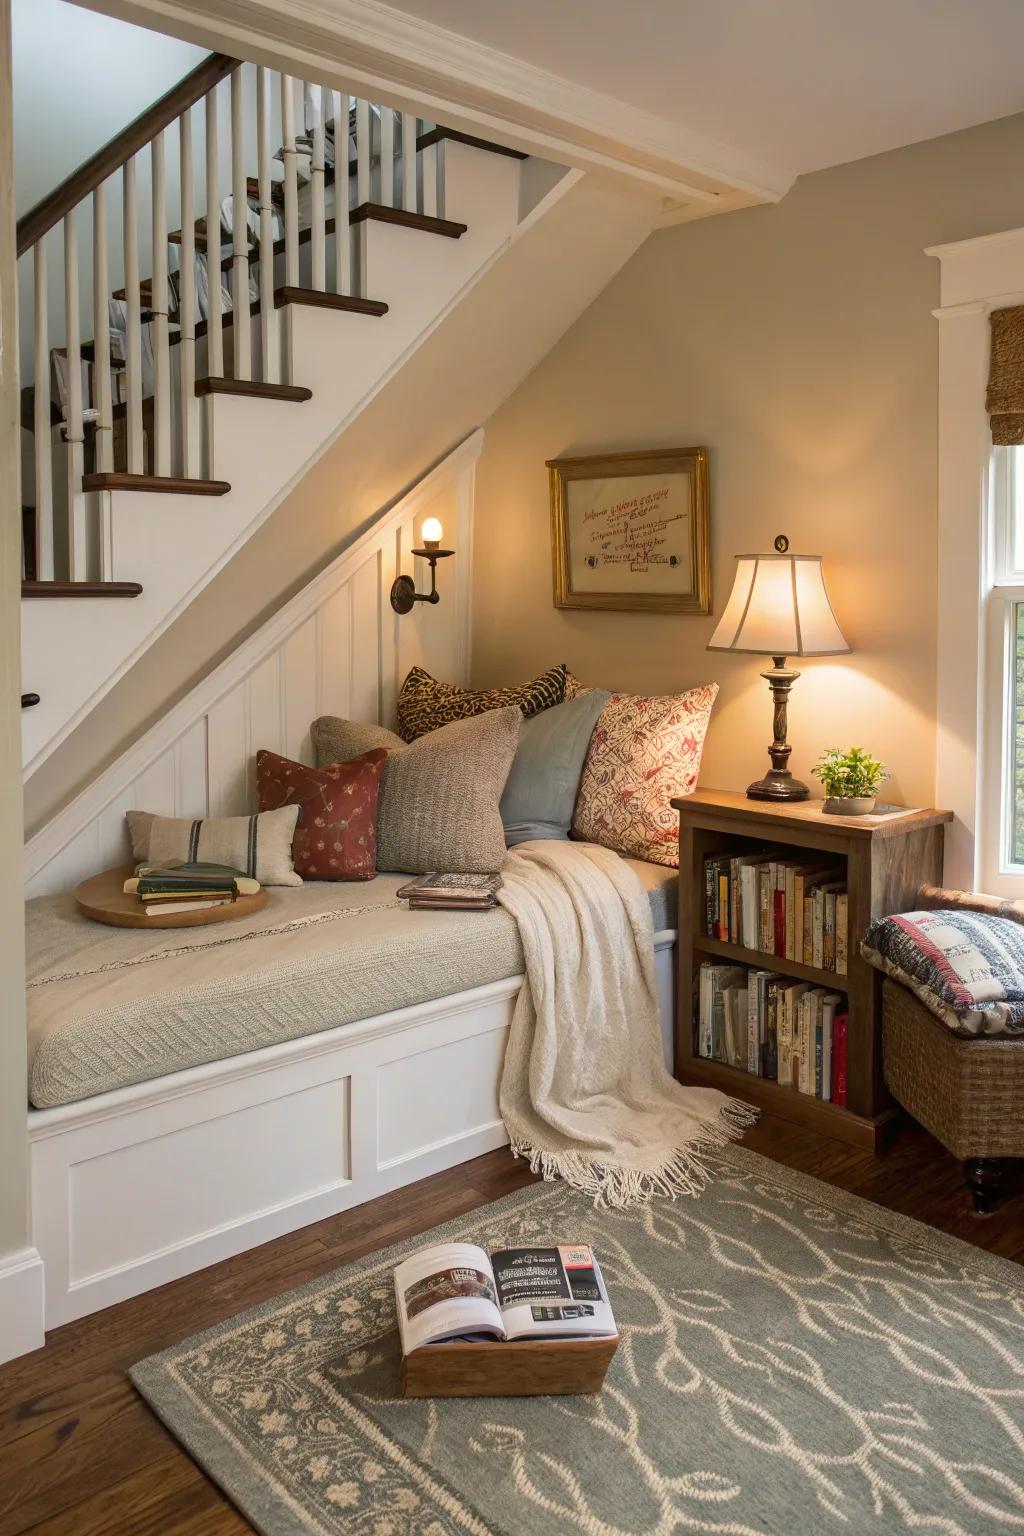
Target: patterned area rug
793, 1360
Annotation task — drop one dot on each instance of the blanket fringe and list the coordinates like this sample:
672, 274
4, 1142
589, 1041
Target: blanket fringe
618, 1187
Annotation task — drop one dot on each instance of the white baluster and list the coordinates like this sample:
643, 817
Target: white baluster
409, 161
318, 237
187, 306
387, 157
268, 331
74, 432
291, 183
104, 439
214, 319
43, 434
362, 152
240, 234
133, 324
342, 241
158, 325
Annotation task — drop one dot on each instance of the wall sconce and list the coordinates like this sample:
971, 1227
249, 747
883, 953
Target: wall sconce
403, 588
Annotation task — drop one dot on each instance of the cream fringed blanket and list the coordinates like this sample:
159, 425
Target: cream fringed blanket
585, 1095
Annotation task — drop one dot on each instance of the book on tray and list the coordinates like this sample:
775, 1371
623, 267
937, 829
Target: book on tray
166, 889
453, 893
774, 1027
458, 1291
796, 909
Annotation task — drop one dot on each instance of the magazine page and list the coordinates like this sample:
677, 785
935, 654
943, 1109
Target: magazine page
552, 1293
444, 1292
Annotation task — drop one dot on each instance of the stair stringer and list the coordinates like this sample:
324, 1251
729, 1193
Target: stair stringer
335, 647
175, 544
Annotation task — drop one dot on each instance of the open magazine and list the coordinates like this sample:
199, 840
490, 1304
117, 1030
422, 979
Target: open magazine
457, 1291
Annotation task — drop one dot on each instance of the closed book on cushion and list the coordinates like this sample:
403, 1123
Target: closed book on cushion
438, 807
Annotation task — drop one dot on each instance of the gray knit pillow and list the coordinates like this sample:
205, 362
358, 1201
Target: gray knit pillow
439, 795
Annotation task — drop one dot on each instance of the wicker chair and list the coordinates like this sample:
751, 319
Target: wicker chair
969, 1092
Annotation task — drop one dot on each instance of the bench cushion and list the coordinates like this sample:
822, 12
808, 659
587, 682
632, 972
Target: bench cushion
966, 967
109, 1007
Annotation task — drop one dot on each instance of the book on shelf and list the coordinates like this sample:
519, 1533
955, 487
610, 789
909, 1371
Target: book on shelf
458, 1291
451, 892
774, 1027
778, 906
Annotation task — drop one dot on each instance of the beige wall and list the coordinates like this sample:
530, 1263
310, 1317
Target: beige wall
796, 342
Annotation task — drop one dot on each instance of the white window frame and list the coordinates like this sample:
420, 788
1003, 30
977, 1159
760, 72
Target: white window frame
977, 584
998, 871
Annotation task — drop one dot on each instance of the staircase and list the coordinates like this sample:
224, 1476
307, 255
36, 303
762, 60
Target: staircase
164, 428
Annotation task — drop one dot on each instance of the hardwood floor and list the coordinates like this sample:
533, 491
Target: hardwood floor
81, 1455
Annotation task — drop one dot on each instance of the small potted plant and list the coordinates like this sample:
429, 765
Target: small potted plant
850, 780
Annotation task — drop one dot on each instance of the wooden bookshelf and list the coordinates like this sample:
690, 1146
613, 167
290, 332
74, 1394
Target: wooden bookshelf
886, 859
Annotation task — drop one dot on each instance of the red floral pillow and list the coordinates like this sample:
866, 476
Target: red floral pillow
643, 752
336, 833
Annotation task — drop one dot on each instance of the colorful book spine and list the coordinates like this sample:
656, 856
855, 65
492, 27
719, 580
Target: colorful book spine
842, 932
840, 1031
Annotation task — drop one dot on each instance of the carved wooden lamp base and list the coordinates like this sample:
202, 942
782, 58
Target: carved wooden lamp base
778, 783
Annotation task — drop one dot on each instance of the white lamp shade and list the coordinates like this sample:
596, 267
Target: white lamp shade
779, 606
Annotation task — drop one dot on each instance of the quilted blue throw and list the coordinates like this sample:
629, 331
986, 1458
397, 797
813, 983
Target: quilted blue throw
967, 967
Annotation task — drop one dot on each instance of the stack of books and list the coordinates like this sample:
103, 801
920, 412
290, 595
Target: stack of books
451, 893
798, 911
774, 1027
166, 890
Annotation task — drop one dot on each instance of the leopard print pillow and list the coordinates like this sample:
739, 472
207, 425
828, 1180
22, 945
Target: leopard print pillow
424, 704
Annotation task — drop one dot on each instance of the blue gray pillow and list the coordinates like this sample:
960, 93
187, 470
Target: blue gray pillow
541, 790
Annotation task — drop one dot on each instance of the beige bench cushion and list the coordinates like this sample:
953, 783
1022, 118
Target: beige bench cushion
108, 1007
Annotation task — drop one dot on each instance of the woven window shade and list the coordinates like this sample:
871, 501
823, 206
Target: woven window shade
1005, 398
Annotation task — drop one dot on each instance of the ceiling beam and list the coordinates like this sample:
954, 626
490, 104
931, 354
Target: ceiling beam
391, 57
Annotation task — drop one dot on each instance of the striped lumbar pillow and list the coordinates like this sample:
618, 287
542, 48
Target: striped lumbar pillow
260, 846
424, 704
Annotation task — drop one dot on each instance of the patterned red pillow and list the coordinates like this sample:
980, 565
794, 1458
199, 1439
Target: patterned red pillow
336, 833
644, 751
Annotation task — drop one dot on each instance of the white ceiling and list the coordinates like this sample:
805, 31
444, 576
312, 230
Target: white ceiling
803, 83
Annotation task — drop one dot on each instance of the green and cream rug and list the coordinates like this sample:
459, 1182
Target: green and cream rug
793, 1360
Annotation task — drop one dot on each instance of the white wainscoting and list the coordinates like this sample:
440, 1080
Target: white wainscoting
135, 1188
336, 648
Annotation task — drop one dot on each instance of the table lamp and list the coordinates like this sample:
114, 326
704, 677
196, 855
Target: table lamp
779, 607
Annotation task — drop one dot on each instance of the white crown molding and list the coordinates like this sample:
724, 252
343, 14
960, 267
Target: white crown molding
988, 269
416, 65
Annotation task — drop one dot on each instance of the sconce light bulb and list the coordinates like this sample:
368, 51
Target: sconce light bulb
431, 531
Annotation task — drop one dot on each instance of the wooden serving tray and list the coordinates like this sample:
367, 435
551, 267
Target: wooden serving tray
102, 897
526, 1368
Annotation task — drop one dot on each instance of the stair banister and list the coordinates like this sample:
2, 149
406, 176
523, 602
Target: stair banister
51, 209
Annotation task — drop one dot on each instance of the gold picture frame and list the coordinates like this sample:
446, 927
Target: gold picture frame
643, 548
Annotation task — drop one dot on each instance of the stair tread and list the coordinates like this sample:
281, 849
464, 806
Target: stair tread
216, 384
80, 589
438, 135
117, 480
423, 221
318, 298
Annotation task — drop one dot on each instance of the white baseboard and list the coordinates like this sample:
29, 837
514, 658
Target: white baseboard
21, 1304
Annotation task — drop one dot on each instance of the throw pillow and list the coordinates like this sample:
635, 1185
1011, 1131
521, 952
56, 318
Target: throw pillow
644, 752
260, 846
438, 806
545, 778
424, 704
336, 833
967, 967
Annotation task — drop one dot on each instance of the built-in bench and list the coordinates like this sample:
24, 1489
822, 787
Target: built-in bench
198, 1092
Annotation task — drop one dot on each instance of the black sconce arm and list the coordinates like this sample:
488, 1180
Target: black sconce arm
403, 590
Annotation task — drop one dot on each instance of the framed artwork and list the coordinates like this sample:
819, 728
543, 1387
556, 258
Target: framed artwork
631, 531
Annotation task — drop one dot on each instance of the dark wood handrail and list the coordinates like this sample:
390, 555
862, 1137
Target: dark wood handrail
41, 219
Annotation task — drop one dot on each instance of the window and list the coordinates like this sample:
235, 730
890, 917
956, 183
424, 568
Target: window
1002, 825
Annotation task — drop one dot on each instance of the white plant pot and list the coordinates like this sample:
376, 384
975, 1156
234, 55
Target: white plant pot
853, 805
